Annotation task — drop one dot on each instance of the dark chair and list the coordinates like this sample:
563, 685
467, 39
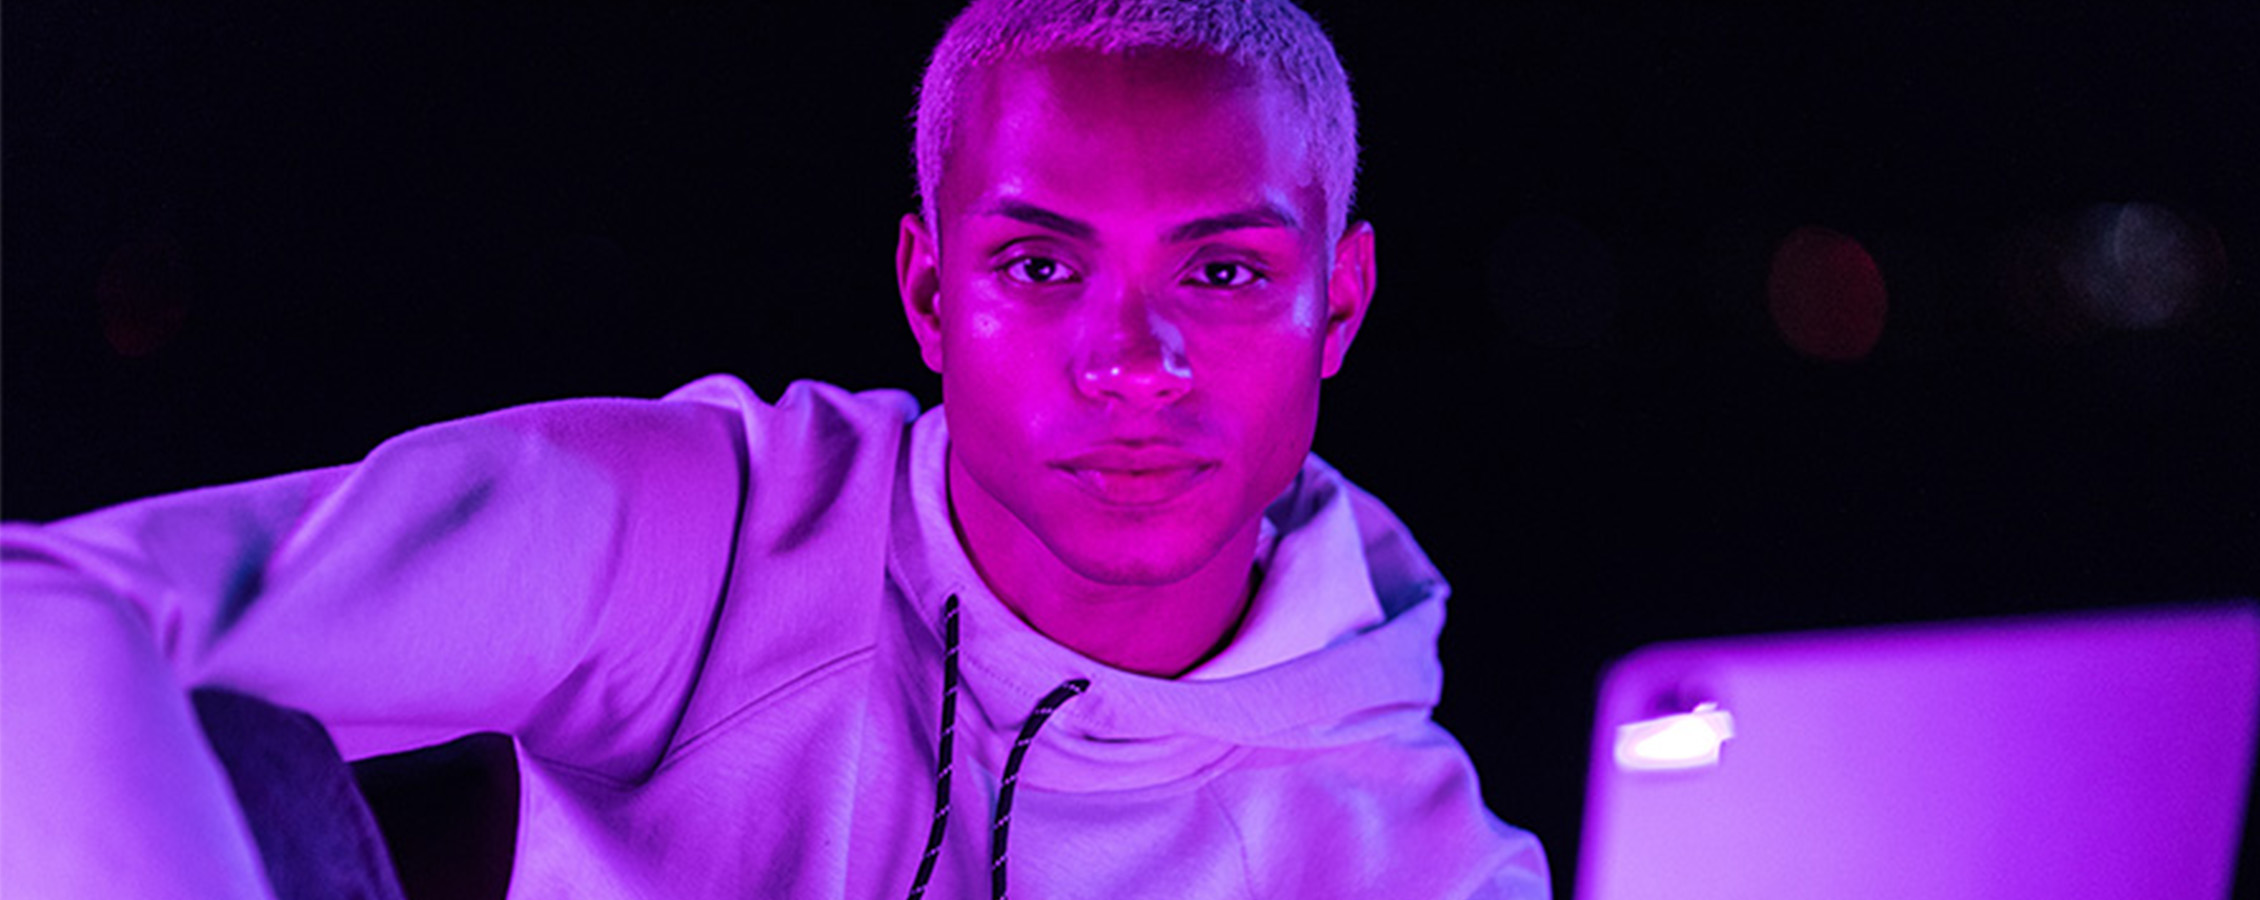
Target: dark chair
438, 823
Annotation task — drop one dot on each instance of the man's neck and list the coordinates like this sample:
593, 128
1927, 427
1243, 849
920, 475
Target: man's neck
1162, 630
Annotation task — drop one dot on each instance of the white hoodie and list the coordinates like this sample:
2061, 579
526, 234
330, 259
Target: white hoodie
717, 630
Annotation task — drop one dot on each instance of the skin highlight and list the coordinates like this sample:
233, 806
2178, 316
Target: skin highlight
1135, 308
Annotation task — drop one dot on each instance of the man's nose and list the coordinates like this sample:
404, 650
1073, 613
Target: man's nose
1133, 354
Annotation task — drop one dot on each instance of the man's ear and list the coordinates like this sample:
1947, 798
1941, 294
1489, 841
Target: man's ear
918, 276
1349, 290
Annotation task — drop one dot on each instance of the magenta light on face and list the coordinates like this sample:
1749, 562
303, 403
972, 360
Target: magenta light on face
2073, 757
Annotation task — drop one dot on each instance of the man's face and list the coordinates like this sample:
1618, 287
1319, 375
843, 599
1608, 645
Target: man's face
1131, 304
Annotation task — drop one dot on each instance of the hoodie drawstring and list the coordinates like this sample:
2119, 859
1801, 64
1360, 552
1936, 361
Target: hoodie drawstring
1044, 709
948, 741
944, 748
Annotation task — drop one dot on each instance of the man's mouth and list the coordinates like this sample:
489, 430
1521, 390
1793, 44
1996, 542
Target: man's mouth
1135, 476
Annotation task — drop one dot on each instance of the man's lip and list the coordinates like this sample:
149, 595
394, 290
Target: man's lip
1131, 458
1135, 475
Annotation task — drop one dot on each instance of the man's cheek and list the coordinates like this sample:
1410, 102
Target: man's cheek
1017, 379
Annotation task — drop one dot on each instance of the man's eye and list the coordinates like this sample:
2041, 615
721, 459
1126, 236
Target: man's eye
1225, 275
1038, 270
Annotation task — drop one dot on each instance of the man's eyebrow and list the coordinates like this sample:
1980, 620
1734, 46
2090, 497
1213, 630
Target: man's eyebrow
1043, 218
1268, 215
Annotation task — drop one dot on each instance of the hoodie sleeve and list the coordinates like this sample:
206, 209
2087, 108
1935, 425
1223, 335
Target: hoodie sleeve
548, 571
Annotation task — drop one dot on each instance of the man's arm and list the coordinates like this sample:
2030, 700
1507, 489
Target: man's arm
548, 572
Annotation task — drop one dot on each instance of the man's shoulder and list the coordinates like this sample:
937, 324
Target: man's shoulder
802, 403
714, 418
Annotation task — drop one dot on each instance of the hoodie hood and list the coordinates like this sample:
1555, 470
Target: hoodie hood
1338, 646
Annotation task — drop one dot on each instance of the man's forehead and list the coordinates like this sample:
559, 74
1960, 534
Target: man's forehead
1203, 128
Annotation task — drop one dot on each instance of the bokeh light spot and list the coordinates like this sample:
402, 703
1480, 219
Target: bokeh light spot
1826, 295
2140, 266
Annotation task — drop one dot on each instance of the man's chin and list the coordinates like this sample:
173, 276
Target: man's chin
1132, 561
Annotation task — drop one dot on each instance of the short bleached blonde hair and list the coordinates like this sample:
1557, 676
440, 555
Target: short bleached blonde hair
1271, 34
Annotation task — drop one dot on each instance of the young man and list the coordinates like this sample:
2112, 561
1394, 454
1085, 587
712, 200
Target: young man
1099, 625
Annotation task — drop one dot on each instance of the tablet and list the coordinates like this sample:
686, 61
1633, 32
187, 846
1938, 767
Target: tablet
2067, 757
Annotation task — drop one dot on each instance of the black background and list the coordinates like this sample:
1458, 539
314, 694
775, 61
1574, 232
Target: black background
310, 229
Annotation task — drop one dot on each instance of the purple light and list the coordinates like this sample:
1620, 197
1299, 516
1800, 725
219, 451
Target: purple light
1687, 740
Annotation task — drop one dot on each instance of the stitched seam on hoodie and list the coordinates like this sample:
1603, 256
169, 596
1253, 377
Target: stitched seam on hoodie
1247, 869
837, 665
